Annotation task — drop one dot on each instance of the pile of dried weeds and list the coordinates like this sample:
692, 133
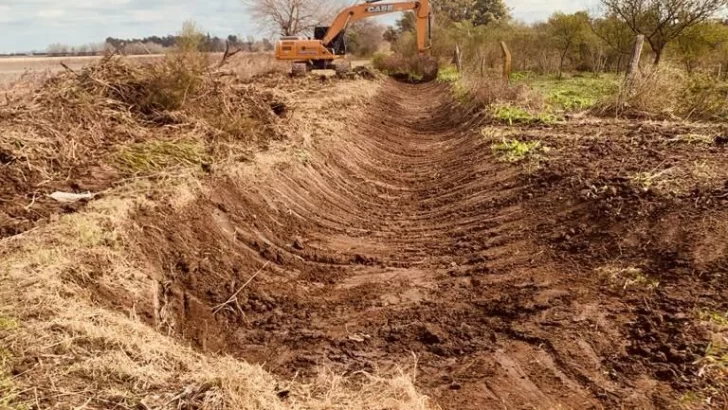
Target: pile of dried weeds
85, 130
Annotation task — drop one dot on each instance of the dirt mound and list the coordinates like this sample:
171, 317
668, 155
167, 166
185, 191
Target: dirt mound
90, 129
579, 283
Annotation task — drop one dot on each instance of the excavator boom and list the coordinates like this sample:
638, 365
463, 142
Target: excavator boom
322, 50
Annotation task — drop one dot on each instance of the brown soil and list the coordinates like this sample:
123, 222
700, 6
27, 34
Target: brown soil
404, 237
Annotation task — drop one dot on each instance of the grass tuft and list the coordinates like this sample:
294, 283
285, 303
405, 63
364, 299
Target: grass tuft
715, 318
513, 150
627, 278
448, 74
7, 323
155, 156
511, 114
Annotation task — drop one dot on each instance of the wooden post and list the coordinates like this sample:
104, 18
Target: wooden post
457, 58
507, 62
634, 63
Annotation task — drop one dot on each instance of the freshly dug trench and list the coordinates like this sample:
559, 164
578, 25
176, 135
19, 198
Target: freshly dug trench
405, 235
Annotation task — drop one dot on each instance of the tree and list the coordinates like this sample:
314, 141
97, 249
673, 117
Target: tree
488, 11
568, 32
404, 24
479, 12
57, 49
291, 17
617, 35
364, 37
662, 21
700, 41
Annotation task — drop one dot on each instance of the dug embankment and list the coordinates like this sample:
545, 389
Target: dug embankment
589, 276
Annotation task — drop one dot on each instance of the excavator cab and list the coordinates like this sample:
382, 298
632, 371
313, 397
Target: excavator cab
337, 45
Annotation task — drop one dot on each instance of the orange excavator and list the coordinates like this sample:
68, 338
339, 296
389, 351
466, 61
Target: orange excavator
328, 46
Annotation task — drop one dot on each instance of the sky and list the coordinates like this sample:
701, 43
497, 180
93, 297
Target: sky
27, 25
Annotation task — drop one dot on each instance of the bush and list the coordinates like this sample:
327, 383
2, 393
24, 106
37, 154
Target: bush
667, 93
704, 98
412, 69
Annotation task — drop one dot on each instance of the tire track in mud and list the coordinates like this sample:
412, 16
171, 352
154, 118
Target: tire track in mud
402, 236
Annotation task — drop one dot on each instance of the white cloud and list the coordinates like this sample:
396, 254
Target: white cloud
50, 13
533, 10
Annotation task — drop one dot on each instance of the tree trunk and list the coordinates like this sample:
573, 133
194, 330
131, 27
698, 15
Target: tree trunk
561, 62
658, 57
619, 64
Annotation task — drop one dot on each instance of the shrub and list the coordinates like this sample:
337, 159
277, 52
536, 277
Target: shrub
704, 98
666, 92
412, 69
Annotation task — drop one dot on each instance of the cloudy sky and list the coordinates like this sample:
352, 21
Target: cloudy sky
27, 25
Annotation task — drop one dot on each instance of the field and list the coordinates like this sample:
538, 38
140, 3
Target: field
13, 69
270, 242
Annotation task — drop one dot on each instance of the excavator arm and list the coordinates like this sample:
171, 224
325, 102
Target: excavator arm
320, 53
358, 12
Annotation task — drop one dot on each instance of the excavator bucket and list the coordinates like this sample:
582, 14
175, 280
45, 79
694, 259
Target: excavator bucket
429, 67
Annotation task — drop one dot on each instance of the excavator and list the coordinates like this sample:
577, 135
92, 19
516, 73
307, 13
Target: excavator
327, 49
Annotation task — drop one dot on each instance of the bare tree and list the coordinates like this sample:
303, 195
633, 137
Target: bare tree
291, 17
662, 21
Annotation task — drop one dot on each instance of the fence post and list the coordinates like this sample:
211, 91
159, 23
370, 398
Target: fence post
457, 58
507, 62
634, 63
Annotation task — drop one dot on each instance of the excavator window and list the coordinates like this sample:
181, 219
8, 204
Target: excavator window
337, 45
320, 32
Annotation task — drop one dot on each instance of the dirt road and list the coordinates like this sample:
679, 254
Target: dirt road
404, 238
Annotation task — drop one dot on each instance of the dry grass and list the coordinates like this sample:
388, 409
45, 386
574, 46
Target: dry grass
679, 180
671, 94
65, 351
62, 346
81, 117
248, 65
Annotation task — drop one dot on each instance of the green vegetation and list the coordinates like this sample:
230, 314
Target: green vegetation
448, 74
513, 150
715, 318
716, 356
7, 323
511, 114
628, 278
155, 156
575, 93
